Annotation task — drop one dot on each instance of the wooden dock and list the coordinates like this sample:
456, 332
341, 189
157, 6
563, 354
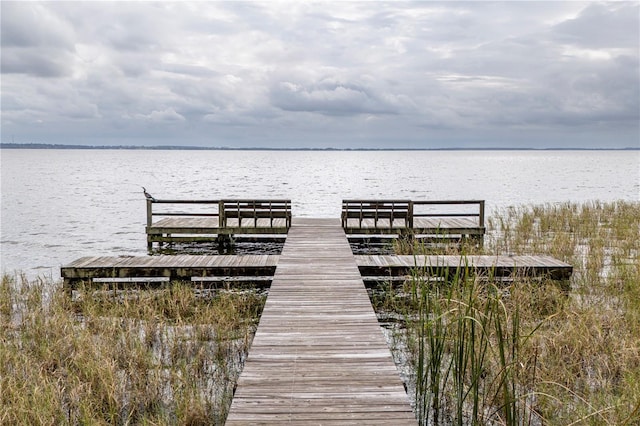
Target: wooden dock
147, 269
214, 220
450, 265
189, 221
438, 219
319, 356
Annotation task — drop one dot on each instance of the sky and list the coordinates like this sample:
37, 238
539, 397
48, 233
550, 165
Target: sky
282, 74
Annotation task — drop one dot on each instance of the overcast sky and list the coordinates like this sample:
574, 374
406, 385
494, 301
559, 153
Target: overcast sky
322, 74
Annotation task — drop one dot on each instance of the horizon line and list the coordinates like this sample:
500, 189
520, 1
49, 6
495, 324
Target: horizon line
12, 145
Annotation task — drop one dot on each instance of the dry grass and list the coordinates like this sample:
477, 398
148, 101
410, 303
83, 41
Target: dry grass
530, 353
153, 357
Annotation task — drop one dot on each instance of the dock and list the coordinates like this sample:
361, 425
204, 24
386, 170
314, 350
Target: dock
319, 355
260, 269
175, 221
452, 265
148, 269
207, 221
436, 219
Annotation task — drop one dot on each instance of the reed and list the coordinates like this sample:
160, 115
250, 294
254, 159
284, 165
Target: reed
157, 357
529, 352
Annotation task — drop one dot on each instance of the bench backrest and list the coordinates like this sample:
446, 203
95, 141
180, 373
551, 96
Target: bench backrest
255, 209
405, 211
389, 210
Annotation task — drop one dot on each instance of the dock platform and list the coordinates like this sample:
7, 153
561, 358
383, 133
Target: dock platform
319, 356
437, 219
196, 221
103, 269
214, 220
451, 265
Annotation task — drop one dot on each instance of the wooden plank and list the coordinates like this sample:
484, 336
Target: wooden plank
318, 355
181, 267
500, 266
132, 280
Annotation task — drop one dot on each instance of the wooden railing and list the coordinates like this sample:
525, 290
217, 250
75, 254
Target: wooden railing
388, 210
151, 214
479, 214
227, 209
255, 209
404, 211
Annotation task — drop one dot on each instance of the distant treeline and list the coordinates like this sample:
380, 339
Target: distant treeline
224, 148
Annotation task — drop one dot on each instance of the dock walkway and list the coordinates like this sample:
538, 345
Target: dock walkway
319, 355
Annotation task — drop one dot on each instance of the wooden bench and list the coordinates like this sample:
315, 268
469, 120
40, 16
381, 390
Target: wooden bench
195, 221
435, 221
254, 210
382, 213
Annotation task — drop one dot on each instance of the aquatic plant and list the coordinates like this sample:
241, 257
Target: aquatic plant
169, 356
528, 351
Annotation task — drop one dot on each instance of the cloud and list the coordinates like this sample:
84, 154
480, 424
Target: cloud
329, 97
602, 26
35, 41
413, 74
168, 115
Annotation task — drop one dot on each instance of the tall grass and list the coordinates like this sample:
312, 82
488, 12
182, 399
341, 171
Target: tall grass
528, 352
152, 357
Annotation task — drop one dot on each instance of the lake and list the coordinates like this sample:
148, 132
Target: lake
58, 205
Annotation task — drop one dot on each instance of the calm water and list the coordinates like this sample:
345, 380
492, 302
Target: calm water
58, 205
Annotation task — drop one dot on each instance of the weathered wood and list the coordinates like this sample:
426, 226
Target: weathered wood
227, 217
319, 355
452, 265
405, 218
132, 280
180, 267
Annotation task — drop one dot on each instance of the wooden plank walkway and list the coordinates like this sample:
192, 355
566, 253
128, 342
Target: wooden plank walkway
498, 266
319, 356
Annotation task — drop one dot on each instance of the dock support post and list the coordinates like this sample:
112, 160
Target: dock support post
480, 238
149, 223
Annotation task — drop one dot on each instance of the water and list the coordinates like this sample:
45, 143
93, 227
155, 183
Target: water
58, 205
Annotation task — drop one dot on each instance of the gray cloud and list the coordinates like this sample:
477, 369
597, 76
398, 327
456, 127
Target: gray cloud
411, 74
329, 97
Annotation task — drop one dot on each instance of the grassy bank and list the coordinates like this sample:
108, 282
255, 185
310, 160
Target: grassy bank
528, 352
157, 357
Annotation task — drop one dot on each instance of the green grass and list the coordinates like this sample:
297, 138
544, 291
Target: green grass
529, 352
150, 357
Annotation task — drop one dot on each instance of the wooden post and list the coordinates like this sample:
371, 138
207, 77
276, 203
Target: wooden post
480, 237
149, 223
410, 215
221, 218
149, 213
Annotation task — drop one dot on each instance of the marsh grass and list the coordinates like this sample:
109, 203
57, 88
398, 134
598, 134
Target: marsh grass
528, 352
153, 357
